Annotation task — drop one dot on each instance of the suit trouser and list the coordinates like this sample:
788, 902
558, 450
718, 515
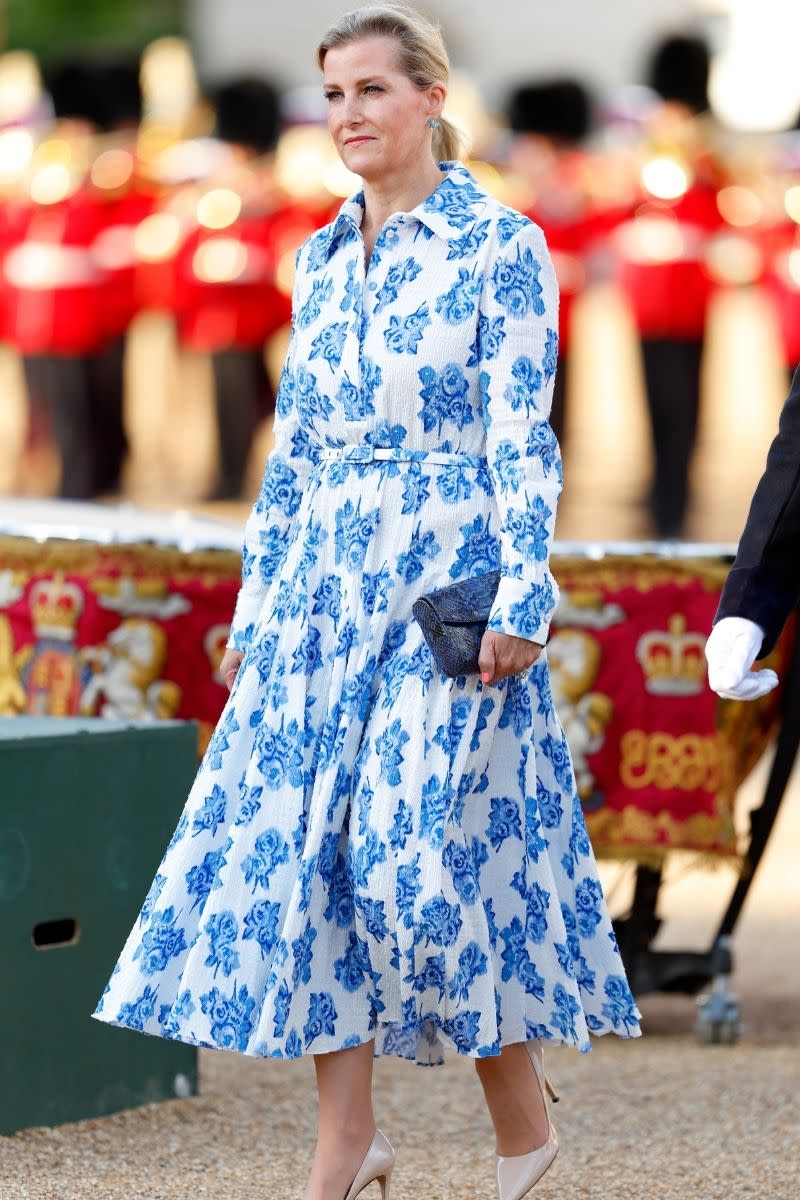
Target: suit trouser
557, 417
672, 381
104, 373
82, 396
243, 396
58, 386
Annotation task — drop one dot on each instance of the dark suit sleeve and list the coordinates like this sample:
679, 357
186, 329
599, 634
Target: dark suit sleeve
764, 581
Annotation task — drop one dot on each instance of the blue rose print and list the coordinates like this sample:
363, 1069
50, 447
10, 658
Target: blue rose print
620, 1008
431, 976
396, 279
445, 398
151, 899
212, 814
458, 303
479, 550
411, 564
403, 334
440, 922
223, 930
504, 821
204, 878
270, 850
322, 1016
134, 1014
436, 799
354, 531
550, 360
588, 901
329, 343
162, 941
523, 392
261, 925
230, 1017
517, 286
353, 967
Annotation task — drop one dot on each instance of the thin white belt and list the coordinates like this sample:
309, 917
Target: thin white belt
362, 452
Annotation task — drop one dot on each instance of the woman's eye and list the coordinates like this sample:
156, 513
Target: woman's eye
370, 87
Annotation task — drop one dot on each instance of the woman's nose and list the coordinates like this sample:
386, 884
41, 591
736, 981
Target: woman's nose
351, 110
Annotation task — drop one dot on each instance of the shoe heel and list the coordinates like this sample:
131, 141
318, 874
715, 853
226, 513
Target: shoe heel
551, 1091
374, 1166
383, 1180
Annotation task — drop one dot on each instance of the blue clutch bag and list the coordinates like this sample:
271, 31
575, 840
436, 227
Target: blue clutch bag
453, 620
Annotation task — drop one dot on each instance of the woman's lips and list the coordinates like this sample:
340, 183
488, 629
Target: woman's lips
356, 141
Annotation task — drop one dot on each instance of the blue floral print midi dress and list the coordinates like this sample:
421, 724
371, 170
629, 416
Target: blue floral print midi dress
372, 849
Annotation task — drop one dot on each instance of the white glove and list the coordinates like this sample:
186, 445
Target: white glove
730, 652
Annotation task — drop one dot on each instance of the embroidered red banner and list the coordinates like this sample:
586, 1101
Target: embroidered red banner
138, 631
658, 755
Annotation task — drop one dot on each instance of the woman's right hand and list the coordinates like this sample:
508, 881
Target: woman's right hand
229, 667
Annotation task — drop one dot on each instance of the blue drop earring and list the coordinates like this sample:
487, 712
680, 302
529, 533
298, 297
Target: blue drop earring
432, 123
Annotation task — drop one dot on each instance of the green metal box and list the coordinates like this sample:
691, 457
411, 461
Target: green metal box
86, 810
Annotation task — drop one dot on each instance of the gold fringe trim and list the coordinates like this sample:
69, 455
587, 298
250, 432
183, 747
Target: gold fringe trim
211, 566
643, 572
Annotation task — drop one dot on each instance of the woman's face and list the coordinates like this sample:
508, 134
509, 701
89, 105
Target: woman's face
375, 113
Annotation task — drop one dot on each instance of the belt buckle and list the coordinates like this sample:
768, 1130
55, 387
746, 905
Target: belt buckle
361, 452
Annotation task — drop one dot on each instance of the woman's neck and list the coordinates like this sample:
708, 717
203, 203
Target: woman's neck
398, 193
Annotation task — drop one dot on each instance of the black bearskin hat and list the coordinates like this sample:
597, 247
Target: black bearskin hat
103, 91
678, 70
559, 108
248, 113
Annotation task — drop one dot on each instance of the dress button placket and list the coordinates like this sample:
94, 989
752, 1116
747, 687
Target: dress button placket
370, 286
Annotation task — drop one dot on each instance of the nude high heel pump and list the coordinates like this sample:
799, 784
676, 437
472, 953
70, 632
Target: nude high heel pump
378, 1164
518, 1173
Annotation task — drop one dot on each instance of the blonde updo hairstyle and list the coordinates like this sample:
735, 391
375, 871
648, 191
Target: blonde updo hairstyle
422, 56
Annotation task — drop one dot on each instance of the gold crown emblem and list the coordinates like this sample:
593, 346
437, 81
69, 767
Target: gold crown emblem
55, 607
673, 661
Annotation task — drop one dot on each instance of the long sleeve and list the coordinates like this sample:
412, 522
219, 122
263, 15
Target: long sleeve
517, 351
764, 583
268, 528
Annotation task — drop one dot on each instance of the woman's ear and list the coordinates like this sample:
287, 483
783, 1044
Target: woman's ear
437, 94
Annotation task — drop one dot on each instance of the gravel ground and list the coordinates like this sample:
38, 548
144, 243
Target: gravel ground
658, 1118
661, 1117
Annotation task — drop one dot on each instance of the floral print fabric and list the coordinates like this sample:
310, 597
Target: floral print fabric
371, 849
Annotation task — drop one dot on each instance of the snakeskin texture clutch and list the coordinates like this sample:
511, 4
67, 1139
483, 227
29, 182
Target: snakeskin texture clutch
453, 621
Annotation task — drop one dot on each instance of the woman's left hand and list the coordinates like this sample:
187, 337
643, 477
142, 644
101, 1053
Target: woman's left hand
502, 654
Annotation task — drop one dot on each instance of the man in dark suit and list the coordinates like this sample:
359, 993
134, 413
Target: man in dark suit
764, 583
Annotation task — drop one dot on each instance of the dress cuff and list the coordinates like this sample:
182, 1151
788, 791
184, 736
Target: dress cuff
248, 606
524, 608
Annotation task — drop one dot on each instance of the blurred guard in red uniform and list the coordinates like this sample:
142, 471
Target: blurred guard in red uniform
780, 243
663, 269
125, 201
550, 121
227, 300
53, 288
62, 270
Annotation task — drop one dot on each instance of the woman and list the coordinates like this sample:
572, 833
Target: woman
376, 858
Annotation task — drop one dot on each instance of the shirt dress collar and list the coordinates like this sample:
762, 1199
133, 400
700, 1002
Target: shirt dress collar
450, 211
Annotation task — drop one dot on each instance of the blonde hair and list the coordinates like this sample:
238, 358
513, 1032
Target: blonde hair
422, 55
